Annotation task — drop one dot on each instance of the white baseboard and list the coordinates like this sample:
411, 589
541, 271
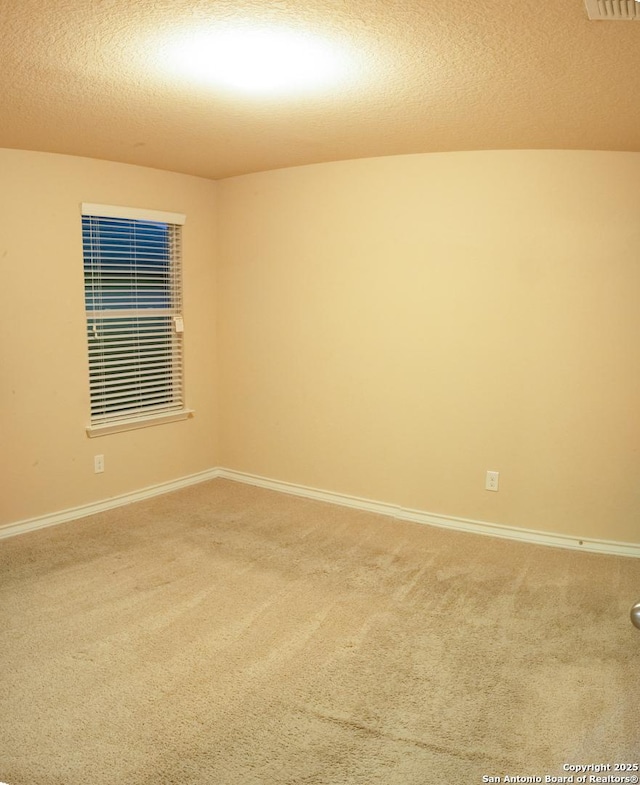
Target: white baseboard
341, 499
41, 522
459, 524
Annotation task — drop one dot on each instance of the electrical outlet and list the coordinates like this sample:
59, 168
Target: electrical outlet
491, 483
98, 464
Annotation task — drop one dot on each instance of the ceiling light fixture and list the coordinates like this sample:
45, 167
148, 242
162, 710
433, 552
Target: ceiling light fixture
259, 60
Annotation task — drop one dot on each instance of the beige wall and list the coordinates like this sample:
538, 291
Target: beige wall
392, 328
388, 328
46, 459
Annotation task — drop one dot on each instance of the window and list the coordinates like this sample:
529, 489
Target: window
133, 301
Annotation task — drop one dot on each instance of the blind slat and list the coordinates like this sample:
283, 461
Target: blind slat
133, 291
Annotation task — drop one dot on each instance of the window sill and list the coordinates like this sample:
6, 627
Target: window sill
139, 422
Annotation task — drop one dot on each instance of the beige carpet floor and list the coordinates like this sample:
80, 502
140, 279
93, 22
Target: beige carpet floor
230, 635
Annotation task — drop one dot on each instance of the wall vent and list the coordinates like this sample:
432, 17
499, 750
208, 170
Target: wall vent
614, 10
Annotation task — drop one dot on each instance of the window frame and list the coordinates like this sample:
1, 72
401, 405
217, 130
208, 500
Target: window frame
112, 419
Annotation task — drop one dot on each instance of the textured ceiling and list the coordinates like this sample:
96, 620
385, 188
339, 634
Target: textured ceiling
93, 78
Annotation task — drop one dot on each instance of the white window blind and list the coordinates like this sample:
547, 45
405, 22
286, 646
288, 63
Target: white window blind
133, 300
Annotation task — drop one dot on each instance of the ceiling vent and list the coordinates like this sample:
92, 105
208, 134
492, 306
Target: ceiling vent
614, 10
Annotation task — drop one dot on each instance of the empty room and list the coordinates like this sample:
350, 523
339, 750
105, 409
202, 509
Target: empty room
320, 392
